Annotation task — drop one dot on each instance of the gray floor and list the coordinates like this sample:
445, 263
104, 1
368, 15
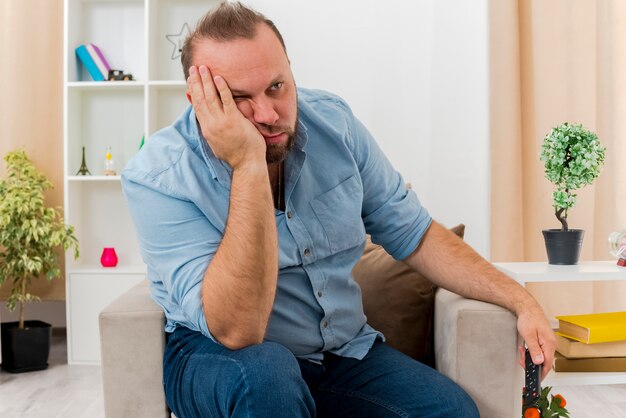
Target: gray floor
76, 392
59, 391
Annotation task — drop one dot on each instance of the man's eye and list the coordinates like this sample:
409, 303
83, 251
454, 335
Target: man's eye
277, 86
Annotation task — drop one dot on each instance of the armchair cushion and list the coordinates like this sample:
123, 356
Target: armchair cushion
398, 301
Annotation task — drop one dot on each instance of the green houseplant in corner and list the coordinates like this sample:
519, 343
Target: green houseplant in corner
30, 233
573, 158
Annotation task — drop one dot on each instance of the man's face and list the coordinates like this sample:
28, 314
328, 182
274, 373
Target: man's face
260, 79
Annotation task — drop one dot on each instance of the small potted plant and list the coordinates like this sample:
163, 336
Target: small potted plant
30, 233
573, 158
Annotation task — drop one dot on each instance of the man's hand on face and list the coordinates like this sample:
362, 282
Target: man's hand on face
232, 137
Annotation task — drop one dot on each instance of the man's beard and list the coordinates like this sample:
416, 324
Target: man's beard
276, 153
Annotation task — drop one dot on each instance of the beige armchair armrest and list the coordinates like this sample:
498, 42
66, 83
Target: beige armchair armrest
132, 342
476, 346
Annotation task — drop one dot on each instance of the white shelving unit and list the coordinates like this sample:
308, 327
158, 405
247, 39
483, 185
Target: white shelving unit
588, 271
97, 114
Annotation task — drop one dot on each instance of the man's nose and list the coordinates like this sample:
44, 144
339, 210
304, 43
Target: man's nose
263, 111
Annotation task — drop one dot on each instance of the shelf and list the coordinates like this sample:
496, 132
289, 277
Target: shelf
584, 378
168, 83
101, 117
98, 269
586, 271
116, 27
98, 212
138, 37
93, 178
97, 85
103, 1
544, 272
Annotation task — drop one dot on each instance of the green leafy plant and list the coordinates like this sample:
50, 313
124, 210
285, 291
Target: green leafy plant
573, 158
29, 231
554, 408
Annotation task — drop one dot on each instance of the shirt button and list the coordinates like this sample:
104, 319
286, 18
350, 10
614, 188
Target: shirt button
319, 293
325, 325
307, 252
289, 215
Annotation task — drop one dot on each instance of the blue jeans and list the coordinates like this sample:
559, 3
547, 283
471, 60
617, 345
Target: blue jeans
204, 379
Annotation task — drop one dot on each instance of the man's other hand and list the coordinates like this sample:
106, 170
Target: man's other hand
539, 337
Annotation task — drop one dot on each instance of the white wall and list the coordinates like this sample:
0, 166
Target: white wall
416, 74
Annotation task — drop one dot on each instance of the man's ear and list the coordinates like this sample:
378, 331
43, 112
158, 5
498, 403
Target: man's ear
188, 96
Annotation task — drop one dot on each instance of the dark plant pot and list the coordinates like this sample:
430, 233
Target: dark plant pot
563, 247
25, 350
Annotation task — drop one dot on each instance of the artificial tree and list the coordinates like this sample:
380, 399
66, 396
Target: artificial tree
30, 232
573, 158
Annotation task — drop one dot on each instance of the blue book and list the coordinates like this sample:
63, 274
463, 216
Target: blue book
88, 63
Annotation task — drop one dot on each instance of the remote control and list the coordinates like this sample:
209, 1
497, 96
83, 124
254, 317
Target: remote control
532, 388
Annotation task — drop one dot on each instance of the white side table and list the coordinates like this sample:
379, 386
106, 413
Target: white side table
587, 271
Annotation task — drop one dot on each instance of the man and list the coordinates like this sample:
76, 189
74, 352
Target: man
251, 211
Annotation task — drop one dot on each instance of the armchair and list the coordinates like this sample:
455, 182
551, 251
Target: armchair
475, 345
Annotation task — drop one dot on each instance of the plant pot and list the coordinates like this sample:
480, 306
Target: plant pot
25, 350
563, 247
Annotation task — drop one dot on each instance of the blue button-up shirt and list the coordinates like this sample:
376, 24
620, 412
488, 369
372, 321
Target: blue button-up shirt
338, 186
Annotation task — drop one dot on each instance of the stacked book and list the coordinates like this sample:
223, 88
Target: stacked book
94, 62
591, 343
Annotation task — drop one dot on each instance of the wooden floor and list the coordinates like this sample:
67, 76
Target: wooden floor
76, 392
603, 401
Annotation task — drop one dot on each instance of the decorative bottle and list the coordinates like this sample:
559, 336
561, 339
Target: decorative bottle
617, 246
109, 164
108, 257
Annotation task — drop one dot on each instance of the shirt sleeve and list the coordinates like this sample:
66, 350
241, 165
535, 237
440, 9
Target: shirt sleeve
391, 212
177, 243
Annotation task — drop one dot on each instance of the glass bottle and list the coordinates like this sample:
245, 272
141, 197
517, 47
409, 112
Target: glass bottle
109, 164
617, 243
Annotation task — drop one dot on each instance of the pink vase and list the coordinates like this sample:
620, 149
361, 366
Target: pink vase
108, 258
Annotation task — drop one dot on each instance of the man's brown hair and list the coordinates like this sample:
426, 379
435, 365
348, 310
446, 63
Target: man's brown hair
226, 22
